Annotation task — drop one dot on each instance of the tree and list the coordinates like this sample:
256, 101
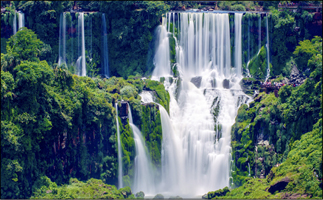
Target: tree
306, 50
24, 45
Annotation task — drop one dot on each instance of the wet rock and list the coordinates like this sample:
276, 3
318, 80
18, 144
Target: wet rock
126, 191
140, 194
226, 83
123, 109
258, 99
197, 81
159, 196
278, 186
213, 83
295, 196
296, 77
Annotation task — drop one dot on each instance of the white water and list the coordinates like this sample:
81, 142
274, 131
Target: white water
267, 45
82, 67
105, 68
237, 40
21, 20
192, 162
65, 50
259, 32
120, 174
62, 40
161, 59
144, 176
14, 23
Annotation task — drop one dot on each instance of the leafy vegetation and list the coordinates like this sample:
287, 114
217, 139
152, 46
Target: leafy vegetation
71, 118
264, 132
303, 169
44, 188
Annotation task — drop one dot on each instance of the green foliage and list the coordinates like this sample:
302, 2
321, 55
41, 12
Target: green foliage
152, 132
306, 50
129, 37
93, 188
238, 7
162, 95
303, 167
258, 65
279, 120
24, 45
218, 193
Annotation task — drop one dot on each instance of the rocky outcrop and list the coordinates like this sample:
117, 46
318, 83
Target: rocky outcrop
123, 111
217, 193
249, 85
140, 194
126, 191
197, 81
296, 77
295, 196
226, 83
279, 186
159, 196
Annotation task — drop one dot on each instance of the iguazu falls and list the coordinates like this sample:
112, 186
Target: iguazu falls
161, 99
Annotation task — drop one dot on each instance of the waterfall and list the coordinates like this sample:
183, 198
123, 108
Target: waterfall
162, 57
62, 40
237, 41
248, 169
267, 45
82, 66
14, 23
105, 60
248, 37
193, 163
120, 174
143, 176
90, 44
259, 32
21, 20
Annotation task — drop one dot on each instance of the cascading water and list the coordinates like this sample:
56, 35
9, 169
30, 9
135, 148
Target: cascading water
237, 52
259, 32
67, 32
162, 66
144, 176
14, 23
81, 67
21, 20
105, 68
267, 45
62, 40
120, 174
192, 162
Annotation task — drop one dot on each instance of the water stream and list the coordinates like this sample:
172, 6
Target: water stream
196, 157
120, 174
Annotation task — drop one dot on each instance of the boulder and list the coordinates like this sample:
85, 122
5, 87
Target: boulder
159, 196
126, 191
213, 83
197, 81
278, 186
140, 194
226, 83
